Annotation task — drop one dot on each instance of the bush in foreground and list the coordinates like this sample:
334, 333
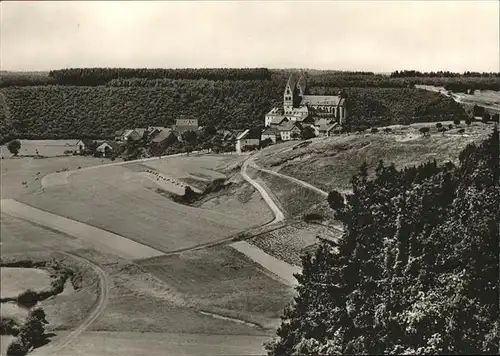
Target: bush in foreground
17, 348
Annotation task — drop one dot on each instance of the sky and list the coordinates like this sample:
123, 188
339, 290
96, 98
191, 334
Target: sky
378, 36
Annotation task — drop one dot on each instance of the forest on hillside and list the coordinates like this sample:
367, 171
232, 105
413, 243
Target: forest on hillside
52, 112
368, 107
94, 102
416, 270
44, 112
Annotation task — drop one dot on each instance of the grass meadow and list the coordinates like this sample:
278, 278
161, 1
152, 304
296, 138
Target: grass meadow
329, 163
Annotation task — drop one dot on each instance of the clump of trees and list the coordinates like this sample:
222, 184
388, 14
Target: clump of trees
30, 335
416, 271
14, 146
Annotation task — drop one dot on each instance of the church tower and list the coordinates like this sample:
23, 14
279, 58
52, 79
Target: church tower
288, 95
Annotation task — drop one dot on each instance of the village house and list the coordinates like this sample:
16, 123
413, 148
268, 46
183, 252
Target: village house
165, 136
249, 137
271, 133
325, 126
303, 108
107, 147
183, 125
289, 131
83, 145
129, 135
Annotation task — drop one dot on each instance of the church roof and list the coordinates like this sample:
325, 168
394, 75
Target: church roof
292, 81
322, 100
302, 83
276, 110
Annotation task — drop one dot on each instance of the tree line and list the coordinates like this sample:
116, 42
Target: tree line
416, 270
453, 83
316, 78
444, 74
100, 76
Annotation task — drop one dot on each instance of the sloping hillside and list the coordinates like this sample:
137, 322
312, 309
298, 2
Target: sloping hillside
329, 163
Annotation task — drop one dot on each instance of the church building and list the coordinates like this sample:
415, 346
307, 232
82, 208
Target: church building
300, 107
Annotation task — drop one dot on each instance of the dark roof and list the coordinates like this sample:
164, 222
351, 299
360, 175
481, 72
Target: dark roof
162, 135
181, 129
86, 141
322, 100
288, 126
271, 131
292, 81
278, 120
302, 83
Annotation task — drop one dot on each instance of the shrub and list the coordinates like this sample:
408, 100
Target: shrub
439, 125
214, 186
456, 121
307, 133
266, 142
8, 326
374, 130
424, 131
313, 217
14, 146
335, 200
461, 131
33, 331
17, 348
387, 129
28, 298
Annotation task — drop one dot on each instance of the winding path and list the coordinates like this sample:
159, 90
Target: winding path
291, 179
56, 347
296, 181
284, 271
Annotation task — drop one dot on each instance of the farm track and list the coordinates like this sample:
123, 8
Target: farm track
283, 270
296, 181
54, 349
291, 179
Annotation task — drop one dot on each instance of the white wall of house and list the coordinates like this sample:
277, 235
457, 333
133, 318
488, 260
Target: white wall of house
272, 137
240, 144
80, 146
102, 148
286, 135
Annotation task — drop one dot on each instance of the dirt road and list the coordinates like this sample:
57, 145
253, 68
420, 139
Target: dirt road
278, 214
57, 348
284, 271
291, 179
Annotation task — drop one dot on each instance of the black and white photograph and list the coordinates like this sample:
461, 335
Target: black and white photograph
279, 177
